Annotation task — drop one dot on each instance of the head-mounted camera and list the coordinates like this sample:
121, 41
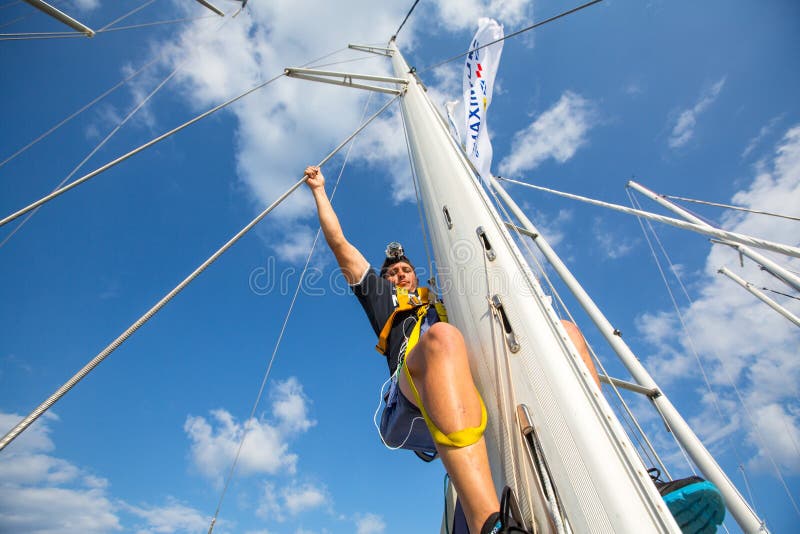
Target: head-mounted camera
394, 250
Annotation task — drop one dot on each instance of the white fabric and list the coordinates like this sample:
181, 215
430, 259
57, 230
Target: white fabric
480, 69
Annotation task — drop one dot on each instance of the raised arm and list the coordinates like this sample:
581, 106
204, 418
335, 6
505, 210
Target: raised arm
351, 261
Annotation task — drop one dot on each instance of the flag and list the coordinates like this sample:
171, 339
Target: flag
480, 69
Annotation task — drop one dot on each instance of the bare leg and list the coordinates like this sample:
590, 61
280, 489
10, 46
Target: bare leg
578, 340
441, 374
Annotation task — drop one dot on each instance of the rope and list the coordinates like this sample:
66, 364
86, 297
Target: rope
81, 110
371, 56
62, 35
14, 21
25, 423
126, 15
405, 19
779, 293
157, 23
729, 206
107, 138
98, 147
753, 421
714, 232
235, 462
510, 35
133, 152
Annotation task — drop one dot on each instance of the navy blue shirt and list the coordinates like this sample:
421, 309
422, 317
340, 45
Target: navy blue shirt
378, 297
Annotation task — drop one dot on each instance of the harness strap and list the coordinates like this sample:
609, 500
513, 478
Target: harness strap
459, 438
405, 302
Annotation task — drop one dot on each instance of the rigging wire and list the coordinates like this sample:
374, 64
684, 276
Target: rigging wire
27, 421
14, 21
107, 138
126, 15
158, 23
405, 19
729, 206
780, 293
724, 367
108, 92
257, 401
353, 60
61, 35
102, 143
135, 151
510, 35
81, 110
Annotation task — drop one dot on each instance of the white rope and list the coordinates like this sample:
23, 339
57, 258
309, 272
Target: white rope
157, 23
25, 423
81, 110
267, 373
731, 207
713, 232
107, 138
30, 36
133, 152
102, 143
753, 420
126, 15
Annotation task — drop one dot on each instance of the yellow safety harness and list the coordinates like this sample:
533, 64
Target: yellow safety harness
421, 303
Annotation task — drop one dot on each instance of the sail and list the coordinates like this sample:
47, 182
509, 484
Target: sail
519, 354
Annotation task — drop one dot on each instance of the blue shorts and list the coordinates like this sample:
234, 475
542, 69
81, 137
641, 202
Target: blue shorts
402, 425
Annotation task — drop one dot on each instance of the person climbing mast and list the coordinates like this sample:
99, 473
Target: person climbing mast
431, 378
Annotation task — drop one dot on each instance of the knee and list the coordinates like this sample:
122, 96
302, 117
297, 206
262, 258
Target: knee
444, 338
441, 345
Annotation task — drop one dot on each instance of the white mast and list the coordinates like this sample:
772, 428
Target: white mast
520, 355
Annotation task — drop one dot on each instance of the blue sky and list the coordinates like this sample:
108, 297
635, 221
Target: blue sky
691, 99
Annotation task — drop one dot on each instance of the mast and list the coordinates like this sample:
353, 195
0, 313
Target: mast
539, 394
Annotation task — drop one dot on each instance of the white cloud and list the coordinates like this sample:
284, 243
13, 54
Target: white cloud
302, 498
633, 89
740, 340
612, 244
86, 5
683, 131
51, 510
266, 446
557, 133
293, 499
762, 134
43, 494
290, 406
291, 123
463, 14
170, 518
370, 524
